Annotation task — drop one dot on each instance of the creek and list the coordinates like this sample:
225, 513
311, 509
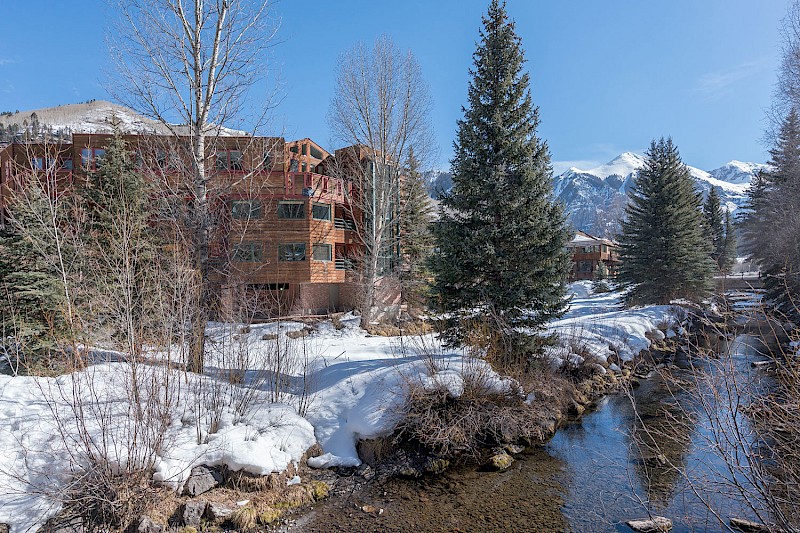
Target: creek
613, 464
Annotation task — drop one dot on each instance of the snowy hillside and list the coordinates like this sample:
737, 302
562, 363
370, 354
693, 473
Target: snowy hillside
738, 172
595, 199
90, 117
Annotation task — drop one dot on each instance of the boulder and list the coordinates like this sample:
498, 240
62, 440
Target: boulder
501, 461
653, 524
216, 512
4, 528
191, 512
147, 525
202, 479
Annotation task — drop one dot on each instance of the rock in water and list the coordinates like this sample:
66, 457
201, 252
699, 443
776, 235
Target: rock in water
749, 527
654, 524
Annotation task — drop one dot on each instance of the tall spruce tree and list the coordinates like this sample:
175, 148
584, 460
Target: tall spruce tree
500, 236
122, 244
715, 230
727, 255
772, 223
32, 297
416, 238
664, 252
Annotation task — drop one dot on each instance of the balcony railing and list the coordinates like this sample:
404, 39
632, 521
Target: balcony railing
317, 186
343, 264
343, 223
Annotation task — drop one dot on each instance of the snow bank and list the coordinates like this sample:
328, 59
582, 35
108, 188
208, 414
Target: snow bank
601, 326
356, 388
44, 439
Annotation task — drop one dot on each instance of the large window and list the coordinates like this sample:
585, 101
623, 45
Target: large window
292, 210
246, 209
321, 211
293, 251
229, 160
247, 252
321, 252
92, 158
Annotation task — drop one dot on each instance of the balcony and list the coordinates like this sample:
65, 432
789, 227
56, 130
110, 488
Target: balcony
317, 186
343, 223
343, 264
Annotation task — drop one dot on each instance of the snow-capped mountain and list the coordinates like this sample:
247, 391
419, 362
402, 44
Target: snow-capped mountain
94, 116
595, 199
738, 172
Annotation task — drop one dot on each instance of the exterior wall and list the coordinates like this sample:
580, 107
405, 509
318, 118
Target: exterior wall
588, 256
238, 169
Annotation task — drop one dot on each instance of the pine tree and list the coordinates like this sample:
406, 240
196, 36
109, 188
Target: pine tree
121, 245
664, 252
31, 290
727, 256
772, 223
714, 229
416, 238
500, 236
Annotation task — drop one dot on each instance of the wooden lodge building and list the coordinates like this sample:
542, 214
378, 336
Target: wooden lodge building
593, 257
285, 231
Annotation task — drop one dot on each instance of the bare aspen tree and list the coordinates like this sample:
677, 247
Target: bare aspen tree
189, 64
379, 111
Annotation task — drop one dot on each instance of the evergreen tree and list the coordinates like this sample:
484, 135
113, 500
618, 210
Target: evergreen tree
727, 256
31, 290
772, 223
500, 236
715, 231
416, 239
664, 252
121, 244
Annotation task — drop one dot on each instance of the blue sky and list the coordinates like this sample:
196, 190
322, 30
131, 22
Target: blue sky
608, 76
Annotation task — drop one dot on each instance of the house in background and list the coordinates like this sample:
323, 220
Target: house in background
593, 257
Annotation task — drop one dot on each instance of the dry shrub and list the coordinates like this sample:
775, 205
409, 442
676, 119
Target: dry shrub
463, 426
244, 518
102, 499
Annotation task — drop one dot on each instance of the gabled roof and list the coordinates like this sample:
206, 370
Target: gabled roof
584, 239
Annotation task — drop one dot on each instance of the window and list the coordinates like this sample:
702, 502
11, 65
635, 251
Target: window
295, 251
303, 167
293, 149
305, 149
92, 158
315, 153
229, 160
246, 209
66, 164
247, 252
267, 162
293, 164
293, 210
321, 252
321, 212
37, 163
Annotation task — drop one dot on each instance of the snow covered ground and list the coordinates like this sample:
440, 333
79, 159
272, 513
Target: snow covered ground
348, 384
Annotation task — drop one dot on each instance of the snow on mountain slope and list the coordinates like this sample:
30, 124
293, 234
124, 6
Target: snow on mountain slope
623, 165
93, 117
738, 172
595, 199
